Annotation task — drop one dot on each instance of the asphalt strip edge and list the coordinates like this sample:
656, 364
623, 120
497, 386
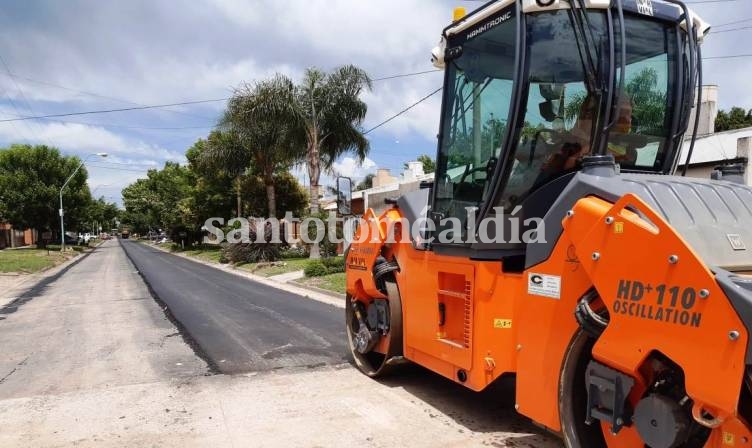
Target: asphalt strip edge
184, 333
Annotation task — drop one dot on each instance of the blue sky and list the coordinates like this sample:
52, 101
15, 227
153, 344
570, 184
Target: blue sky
85, 55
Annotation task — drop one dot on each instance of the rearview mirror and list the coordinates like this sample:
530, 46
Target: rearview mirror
344, 196
546, 110
551, 91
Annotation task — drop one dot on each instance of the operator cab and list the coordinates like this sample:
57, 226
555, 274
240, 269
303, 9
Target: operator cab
530, 90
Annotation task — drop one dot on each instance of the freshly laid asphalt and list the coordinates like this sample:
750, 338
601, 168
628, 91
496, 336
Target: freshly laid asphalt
240, 325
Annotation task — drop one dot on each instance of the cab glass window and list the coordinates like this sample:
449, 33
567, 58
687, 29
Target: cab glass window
476, 104
640, 135
560, 115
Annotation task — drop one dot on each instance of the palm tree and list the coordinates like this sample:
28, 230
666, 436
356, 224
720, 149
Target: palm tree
331, 117
264, 134
320, 121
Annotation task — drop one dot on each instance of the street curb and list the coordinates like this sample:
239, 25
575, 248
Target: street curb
318, 294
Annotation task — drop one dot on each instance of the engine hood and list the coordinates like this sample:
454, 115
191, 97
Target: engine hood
714, 217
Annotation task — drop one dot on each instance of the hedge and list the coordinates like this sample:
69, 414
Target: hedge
324, 266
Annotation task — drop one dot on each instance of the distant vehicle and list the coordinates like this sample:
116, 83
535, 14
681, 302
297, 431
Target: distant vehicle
125, 233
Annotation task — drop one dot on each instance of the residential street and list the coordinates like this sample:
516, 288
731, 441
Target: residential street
91, 360
240, 325
92, 325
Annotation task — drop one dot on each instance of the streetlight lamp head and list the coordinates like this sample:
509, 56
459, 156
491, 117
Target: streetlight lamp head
102, 154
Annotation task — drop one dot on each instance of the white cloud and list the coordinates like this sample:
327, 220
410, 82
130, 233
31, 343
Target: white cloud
128, 159
350, 167
157, 52
423, 119
82, 139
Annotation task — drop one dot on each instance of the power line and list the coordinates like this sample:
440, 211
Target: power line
23, 118
92, 165
110, 125
127, 164
403, 111
106, 111
729, 56
732, 23
405, 75
47, 83
731, 29
94, 94
13, 103
159, 106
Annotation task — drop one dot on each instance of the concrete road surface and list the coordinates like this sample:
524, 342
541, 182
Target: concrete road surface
93, 324
90, 360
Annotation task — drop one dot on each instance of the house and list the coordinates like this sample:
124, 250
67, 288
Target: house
387, 186
715, 149
10, 237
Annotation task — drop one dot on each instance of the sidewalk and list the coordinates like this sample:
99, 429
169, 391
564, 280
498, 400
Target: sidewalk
288, 276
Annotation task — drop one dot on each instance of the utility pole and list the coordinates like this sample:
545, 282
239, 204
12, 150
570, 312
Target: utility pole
62, 224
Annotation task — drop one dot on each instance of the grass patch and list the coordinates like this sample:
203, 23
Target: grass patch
280, 267
209, 253
330, 282
213, 253
206, 252
29, 260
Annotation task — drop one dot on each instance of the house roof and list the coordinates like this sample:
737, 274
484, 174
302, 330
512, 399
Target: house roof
716, 147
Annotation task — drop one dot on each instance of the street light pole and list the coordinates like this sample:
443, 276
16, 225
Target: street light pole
62, 224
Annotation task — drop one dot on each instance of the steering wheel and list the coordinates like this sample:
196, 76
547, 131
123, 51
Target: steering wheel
488, 169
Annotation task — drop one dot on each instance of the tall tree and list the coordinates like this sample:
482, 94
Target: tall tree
324, 117
290, 195
224, 151
101, 212
332, 114
213, 193
366, 183
30, 181
735, 118
266, 135
156, 200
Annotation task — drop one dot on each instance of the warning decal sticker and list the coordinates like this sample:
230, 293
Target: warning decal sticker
544, 285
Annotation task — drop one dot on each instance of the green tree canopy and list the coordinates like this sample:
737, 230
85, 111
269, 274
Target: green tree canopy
30, 181
213, 190
158, 200
290, 195
102, 212
323, 118
735, 118
224, 152
366, 183
264, 136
